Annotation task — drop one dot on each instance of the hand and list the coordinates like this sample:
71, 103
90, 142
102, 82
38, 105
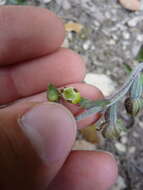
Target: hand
36, 137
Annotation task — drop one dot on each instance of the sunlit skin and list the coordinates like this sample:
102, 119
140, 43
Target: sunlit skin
30, 58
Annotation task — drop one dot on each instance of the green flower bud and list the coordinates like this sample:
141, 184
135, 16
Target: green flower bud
112, 131
133, 106
52, 93
71, 95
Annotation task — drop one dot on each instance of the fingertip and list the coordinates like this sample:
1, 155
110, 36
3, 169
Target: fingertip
40, 33
107, 169
36, 138
87, 170
77, 69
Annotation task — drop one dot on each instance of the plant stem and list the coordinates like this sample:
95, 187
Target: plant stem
124, 89
116, 97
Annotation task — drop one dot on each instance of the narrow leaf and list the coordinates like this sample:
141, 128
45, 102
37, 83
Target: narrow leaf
85, 103
89, 112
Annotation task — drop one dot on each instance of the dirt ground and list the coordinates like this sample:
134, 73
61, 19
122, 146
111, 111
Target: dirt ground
109, 38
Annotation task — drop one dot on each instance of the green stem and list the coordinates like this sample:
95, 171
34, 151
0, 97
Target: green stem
116, 97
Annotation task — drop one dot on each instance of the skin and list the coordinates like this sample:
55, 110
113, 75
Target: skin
30, 58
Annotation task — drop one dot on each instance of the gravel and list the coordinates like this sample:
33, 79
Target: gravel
111, 36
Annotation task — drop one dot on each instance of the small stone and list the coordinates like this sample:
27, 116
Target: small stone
135, 134
124, 139
65, 43
111, 42
3, 2
120, 147
141, 124
107, 15
65, 4
132, 150
92, 47
96, 23
133, 22
69, 36
101, 81
126, 35
140, 37
120, 184
86, 45
133, 5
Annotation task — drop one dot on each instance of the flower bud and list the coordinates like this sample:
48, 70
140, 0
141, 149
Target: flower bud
52, 93
112, 131
133, 106
71, 95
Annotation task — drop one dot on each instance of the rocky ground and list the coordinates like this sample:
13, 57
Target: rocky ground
108, 37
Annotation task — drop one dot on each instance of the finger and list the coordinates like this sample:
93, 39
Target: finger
86, 90
28, 32
86, 170
62, 67
35, 140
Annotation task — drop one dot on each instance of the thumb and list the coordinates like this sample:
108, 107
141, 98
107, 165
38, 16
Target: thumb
34, 143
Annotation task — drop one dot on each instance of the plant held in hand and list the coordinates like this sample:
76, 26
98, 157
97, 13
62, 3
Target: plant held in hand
110, 125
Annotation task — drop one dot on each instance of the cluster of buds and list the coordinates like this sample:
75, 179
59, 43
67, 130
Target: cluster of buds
68, 94
134, 102
112, 125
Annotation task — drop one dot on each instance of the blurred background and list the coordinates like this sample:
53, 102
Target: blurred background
108, 35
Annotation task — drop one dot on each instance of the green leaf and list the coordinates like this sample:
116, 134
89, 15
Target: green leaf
139, 56
52, 93
90, 111
85, 103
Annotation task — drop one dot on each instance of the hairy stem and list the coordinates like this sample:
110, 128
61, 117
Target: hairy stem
116, 97
124, 89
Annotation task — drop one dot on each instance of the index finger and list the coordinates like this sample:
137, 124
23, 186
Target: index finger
28, 32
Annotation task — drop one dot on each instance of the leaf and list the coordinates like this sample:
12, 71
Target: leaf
90, 111
73, 26
91, 135
139, 56
85, 103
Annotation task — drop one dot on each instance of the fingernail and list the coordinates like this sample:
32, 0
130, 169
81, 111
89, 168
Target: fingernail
51, 129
